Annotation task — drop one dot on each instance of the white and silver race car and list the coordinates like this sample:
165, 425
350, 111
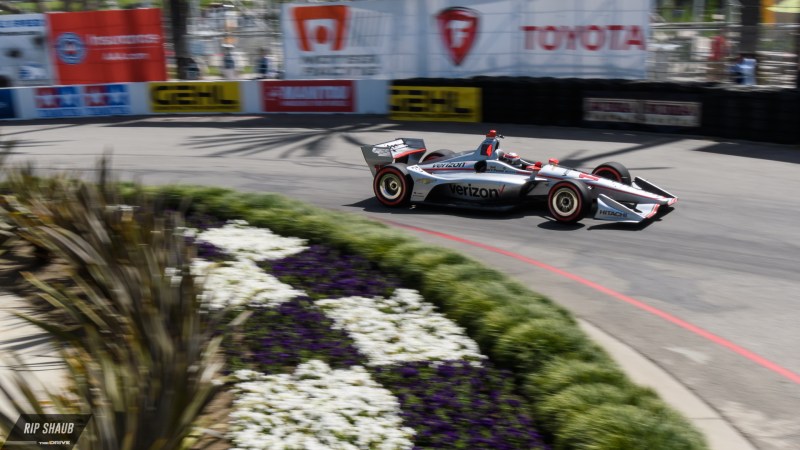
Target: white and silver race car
488, 178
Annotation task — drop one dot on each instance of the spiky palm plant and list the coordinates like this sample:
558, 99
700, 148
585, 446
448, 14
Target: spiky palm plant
140, 349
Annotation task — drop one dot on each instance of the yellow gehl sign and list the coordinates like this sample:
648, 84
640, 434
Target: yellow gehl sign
201, 96
451, 104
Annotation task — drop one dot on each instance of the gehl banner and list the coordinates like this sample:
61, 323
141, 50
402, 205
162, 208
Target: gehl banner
46, 432
428, 103
211, 97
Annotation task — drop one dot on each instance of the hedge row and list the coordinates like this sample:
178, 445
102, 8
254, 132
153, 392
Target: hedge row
766, 114
579, 396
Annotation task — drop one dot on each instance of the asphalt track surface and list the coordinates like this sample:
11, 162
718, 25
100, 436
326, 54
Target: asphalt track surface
710, 292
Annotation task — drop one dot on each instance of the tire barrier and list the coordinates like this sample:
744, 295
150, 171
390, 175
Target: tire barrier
765, 114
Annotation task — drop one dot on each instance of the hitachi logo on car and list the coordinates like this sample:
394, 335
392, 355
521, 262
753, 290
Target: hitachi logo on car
476, 192
604, 212
315, 92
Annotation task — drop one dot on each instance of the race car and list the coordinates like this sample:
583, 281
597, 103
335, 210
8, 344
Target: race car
487, 177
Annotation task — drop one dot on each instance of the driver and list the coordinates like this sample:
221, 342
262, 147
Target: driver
510, 158
514, 160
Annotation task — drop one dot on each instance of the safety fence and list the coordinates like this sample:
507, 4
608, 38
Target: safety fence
706, 109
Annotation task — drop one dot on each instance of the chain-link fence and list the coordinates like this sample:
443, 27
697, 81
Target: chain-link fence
676, 51
686, 52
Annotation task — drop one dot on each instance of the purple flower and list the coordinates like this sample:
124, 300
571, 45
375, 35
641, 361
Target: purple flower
455, 402
326, 273
272, 340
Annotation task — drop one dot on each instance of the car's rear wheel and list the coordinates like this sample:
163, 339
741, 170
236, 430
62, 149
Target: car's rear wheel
613, 171
569, 201
392, 186
438, 154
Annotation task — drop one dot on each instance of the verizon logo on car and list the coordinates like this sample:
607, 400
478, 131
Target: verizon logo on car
475, 191
309, 96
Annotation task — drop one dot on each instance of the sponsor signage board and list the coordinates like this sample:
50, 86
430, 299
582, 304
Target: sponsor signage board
78, 101
308, 96
642, 111
177, 97
611, 110
452, 104
110, 46
669, 113
7, 110
387, 39
24, 56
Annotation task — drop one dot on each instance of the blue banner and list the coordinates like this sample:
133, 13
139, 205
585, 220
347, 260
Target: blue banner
75, 101
7, 104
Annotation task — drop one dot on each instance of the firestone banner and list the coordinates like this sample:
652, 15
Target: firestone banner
108, 46
386, 39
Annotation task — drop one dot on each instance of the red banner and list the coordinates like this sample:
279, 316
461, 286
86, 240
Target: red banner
309, 96
108, 46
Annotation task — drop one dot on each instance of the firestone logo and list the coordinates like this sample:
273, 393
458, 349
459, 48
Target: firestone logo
321, 27
458, 27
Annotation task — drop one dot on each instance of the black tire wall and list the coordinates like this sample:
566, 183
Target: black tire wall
733, 112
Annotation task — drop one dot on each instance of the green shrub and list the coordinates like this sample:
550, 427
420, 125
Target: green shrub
626, 427
497, 321
558, 409
528, 346
563, 372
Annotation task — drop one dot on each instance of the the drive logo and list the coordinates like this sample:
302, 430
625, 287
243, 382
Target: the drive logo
458, 27
321, 27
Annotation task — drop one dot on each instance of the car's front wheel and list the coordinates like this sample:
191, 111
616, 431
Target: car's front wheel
613, 171
392, 186
569, 201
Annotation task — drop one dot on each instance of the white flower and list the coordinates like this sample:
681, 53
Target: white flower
316, 407
240, 283
257, 244
400, 329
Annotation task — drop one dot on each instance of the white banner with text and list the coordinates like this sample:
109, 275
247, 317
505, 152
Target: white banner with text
387, 39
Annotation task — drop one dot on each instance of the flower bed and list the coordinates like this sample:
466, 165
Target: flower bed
337, 355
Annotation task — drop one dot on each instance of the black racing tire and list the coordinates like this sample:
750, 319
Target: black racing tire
569, 201
613, 171
392, 185
434, 155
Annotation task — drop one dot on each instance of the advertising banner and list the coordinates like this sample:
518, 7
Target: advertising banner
24, 57
451, 104
642, 111
78, 101
108, 46
176, 97
7, 110
611, 110
343, 41
669, 113
309, 96
455, 39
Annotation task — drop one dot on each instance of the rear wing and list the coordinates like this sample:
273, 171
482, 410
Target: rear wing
402, 150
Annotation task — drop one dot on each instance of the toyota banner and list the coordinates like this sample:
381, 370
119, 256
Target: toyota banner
386, 39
